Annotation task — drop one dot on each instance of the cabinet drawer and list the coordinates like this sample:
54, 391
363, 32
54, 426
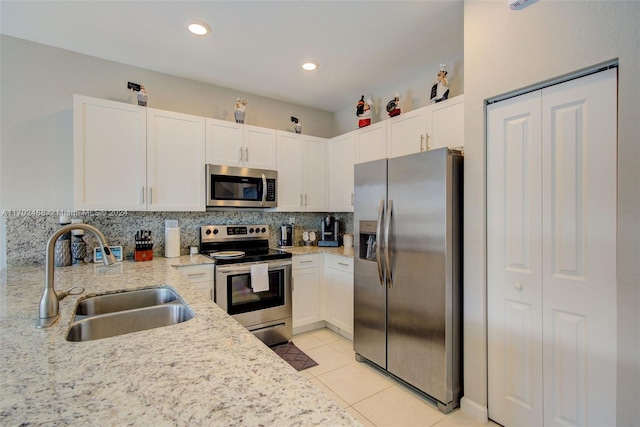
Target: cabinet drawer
307, 261
197, 273
339, 263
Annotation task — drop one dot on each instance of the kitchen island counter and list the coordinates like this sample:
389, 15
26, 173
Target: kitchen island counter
206, 371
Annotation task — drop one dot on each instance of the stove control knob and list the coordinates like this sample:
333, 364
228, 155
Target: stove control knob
207, 232
264, 230
215, 231
251, 230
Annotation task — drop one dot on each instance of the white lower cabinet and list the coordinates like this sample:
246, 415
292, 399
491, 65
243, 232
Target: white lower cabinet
307, 290
323, 293
201, 276
339, 285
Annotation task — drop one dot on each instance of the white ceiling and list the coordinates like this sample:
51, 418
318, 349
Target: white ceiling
256, 46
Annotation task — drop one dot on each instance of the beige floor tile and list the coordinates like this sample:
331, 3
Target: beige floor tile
396, 406
458, 418
328, 359
340, 402
344, 346
307, 341
355, 382
358, 416
325, 335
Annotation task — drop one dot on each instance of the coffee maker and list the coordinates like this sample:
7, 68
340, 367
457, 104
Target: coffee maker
286, 236
330, 234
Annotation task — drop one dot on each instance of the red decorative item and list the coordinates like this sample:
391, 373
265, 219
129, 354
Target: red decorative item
363, 111
393, 106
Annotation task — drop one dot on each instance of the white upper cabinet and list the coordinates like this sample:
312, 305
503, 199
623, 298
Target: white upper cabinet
371, 142
445, 124
225, 142
289, 170
240, 145
406, 133
109, 154
134, 158
260, 147
341, 161
302, 173
175, 161
434, 126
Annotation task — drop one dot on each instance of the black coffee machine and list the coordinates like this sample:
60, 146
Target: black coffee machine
330, 234
286, 236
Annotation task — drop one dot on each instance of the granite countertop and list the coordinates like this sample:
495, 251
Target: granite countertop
307, 250
206, 371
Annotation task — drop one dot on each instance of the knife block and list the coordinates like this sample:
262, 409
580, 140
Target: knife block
143, 255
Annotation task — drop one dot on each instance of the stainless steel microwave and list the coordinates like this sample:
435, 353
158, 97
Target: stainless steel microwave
229, 186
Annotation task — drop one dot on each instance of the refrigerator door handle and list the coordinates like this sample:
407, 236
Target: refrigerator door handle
379, 240
387, 255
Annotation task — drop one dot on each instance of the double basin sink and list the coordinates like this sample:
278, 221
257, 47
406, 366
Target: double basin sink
122, 313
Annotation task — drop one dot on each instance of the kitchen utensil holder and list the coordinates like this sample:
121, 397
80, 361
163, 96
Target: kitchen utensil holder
143, 255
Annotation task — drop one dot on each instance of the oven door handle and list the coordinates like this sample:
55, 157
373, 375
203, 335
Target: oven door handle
246, 267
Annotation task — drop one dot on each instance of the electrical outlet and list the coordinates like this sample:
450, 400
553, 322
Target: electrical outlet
133, 86
292, 220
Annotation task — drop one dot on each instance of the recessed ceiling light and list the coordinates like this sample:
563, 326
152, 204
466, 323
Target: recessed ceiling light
199, 28
310, 65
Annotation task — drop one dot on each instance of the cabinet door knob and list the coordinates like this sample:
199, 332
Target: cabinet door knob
517, 286
142, 195
240, 154
421, 142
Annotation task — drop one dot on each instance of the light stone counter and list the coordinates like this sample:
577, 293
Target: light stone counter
307, 250
206, 371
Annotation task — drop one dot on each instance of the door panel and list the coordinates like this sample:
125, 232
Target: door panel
551, 223
369, 293
514, 301
579, 238
417, 294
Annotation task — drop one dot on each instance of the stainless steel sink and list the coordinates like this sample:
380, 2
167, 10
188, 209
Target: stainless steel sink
128, 321
122, 313
129, 300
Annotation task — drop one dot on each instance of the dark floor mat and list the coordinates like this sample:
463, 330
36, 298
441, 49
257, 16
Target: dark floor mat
294, 356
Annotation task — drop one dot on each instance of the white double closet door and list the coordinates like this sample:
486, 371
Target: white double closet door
551, 255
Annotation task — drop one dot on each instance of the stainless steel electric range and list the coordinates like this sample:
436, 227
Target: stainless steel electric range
252, 282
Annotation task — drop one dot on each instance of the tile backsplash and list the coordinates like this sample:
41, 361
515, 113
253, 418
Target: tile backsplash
27, 235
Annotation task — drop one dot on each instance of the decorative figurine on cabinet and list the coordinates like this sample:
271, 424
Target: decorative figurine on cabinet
363, 111
297, 126
241, 105
440, 89
393, 106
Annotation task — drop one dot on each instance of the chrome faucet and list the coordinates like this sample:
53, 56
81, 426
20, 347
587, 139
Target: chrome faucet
49, 303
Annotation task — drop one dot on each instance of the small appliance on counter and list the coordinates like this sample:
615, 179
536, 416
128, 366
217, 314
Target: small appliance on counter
330, 234
286, 236
144, 246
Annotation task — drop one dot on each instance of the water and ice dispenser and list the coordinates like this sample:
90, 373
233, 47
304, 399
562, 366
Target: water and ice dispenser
367, 240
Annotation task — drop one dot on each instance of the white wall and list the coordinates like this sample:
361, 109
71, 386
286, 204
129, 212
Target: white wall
414, 92
507, 50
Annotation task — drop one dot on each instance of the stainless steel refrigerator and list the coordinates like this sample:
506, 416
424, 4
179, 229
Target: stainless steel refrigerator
407, 271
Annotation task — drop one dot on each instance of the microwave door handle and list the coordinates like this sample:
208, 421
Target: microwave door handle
264, 189
379, 242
